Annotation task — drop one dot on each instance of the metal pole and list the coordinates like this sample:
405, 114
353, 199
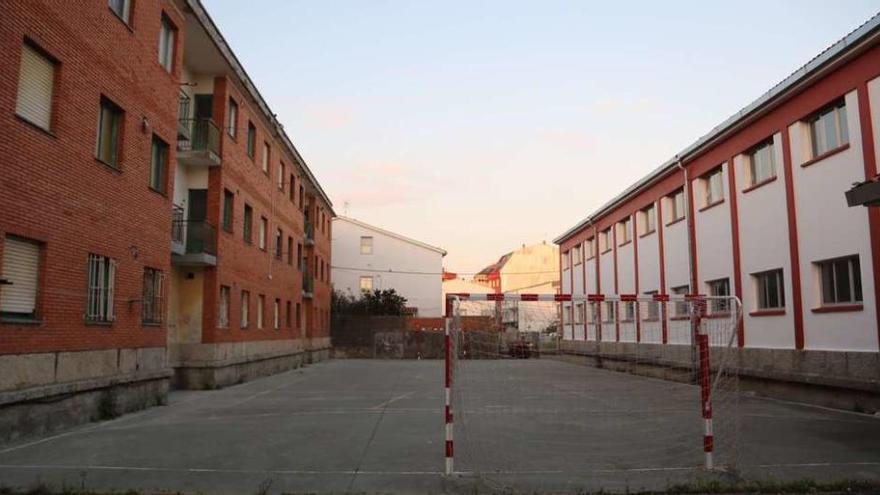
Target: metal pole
448, 385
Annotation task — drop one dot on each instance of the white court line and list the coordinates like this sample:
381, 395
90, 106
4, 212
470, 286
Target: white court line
393, 399
348, 472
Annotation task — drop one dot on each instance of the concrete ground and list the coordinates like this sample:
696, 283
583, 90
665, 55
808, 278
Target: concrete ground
372, 426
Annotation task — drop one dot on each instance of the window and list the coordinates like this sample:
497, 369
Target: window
279, 244
841, 280
566, 315
566, 260
36, 82
158, 165
247, 227
579, 314
281, 176
681, 308
167, 35
366, 245
109, 133
20, 278
590, 248
676, 206
653, 307
291, 189
769, 289
261, 305
605, 239
228, 209
289, 250
232, 119
264, 232
121, 8
266, 158
762, 163
251, 140
719, 288
366, 284
828, 129
302, 202
629, 310
298, 316
153, 297
245, 308
299, 256
99, 299
223, 307
713, 187
576, 255
608, 312
648, 220
276, 323
624, 231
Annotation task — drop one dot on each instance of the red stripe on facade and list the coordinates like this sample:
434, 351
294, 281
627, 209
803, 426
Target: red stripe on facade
734, 240
794, 251
870, 160
692, 234
598, 319
616, 285
664, 322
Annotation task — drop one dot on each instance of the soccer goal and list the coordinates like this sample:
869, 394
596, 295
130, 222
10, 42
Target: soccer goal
562, 387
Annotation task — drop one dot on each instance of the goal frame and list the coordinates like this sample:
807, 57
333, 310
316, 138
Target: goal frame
698, 302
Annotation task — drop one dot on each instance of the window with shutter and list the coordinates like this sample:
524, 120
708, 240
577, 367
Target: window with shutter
36, 79
21, 269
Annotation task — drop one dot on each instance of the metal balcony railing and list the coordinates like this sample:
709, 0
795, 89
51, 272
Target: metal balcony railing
183, 127
177, 224
308, 283
197, 236
309, 230
204, 136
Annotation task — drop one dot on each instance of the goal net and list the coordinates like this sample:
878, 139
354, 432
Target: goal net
551, 391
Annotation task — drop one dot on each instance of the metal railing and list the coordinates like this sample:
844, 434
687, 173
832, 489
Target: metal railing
309, 230
197, 236
183, 129
308, 282
204, 136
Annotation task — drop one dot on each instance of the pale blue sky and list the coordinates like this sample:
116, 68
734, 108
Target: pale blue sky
480, 126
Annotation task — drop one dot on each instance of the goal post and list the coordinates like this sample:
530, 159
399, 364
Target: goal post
590, 378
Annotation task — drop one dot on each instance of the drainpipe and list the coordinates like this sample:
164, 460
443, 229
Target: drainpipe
691, 268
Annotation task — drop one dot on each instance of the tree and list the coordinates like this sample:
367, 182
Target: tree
371, 303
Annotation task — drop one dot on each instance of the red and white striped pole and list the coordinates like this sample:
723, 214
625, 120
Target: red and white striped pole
450, 306
705, 381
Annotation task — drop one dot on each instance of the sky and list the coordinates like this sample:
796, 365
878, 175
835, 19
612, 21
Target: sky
482, 126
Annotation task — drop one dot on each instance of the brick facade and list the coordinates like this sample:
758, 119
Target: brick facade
53, 189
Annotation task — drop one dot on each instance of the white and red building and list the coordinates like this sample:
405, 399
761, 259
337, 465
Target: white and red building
756, 209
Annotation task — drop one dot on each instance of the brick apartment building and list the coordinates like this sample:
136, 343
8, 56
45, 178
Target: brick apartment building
146, 190
757, 209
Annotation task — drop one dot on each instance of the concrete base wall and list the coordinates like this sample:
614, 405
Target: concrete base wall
45, 392
842, 380
217, 365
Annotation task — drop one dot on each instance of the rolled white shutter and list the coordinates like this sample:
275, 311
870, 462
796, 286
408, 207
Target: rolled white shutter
35, 80
21, 260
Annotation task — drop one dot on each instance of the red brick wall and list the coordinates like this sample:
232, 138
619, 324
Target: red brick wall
240, 265
52, 189
468, 323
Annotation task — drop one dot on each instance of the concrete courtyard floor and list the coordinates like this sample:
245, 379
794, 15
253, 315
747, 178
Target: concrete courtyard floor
371, 426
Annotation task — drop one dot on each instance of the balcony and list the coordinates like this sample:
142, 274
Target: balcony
193, 242
183, 129
309, 231
202, 149
308, 285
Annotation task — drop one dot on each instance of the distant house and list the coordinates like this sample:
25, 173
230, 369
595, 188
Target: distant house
366, 257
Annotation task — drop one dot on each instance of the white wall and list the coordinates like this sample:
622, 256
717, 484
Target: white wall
389, 253
763, 222
714, 237
827, 229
